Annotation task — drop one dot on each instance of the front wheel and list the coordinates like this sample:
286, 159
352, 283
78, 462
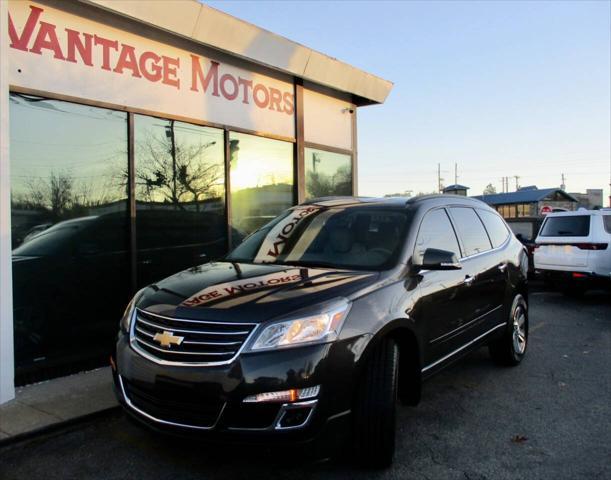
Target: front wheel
510, 349
375, 407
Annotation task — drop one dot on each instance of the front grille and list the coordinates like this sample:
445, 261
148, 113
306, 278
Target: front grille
203, 342
171, 403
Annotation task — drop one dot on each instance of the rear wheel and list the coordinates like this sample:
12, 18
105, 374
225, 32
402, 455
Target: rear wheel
511, 347
375, 407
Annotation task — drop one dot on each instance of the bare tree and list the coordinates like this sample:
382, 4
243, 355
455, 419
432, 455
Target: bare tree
177, 173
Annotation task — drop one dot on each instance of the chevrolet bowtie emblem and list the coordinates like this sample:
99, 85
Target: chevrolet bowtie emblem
167, 339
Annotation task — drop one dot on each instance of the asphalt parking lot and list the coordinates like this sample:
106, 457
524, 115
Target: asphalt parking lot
548, 418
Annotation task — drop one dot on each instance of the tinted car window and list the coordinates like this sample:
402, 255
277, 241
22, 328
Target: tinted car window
311, 235
607, 222
470, 230
435, 232
569, 226
497, 231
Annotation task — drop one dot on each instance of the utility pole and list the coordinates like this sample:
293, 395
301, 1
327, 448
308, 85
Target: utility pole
517, 177
169, 133
563, 184
455, 173
505, 184
439, 179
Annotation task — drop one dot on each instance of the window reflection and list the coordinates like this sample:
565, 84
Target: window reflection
69, 231
327, 173
261, 181
180, 216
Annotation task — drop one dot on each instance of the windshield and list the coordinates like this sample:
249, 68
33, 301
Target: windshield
361, 238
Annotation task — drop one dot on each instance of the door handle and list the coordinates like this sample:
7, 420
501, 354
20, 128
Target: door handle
503, 267
468, 281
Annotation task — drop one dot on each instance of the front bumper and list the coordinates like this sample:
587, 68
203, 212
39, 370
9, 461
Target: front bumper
207, 402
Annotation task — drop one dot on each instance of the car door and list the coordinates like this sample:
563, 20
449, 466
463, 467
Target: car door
444, 296
483, 273
499, 235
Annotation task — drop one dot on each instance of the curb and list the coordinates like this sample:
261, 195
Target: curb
54, 427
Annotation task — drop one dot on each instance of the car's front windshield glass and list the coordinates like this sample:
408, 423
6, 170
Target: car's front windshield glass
356, 237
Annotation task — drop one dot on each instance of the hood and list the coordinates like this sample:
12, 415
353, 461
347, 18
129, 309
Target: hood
254, 292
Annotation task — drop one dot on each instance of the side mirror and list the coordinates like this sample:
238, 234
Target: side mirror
435, 259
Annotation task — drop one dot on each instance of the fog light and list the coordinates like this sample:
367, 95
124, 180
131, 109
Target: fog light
295, 417
284, 396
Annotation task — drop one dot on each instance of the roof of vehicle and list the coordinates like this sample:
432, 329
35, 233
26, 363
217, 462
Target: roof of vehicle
525, 195
456, 186
581, 211
394, 201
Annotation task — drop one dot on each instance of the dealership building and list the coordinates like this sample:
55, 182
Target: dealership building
141, 138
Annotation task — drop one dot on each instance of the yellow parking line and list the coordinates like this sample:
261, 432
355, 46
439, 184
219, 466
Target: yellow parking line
536, 327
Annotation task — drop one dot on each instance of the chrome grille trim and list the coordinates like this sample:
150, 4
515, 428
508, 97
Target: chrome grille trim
174, 319
189, 342
196, 332
183, 353
138, 343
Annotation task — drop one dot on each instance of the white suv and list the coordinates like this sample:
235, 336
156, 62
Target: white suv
573, 250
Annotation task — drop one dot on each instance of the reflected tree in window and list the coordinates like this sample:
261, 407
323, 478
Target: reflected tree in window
327, 173
177, 170
69, 233
180, 196
261, 181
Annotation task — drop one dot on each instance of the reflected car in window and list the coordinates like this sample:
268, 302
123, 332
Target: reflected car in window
321, 319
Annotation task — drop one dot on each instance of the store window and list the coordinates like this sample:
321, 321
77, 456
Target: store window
69, 232
180, 196
327, 173
261, 181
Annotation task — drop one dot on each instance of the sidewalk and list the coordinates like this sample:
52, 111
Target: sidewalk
54, 402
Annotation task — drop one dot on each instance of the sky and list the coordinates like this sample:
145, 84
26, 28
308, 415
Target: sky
498, 88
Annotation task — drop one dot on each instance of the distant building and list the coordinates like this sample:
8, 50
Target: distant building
592, 199
528, 201
456, 190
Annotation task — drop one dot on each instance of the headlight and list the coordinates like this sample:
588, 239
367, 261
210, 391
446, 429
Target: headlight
126, 320
318, 328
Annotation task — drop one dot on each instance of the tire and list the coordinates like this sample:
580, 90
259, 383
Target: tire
375, 407
509, 350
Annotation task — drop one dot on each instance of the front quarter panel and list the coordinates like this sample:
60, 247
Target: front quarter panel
390, 307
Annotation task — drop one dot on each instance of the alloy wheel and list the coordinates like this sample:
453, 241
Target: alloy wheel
519, 330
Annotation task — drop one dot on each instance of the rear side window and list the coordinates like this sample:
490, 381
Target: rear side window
435, 232
569, 226
470, 230
497, 231
607, 222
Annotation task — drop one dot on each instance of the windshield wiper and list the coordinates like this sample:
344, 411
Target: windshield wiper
298, 263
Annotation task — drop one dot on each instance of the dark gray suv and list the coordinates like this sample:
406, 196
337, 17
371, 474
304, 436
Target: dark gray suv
319, 321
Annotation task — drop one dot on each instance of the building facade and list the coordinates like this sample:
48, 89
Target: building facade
140, 139
591, 200
529, 202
